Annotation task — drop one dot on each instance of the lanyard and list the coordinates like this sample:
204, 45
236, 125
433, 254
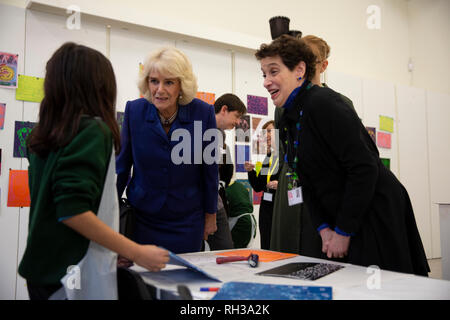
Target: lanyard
271, 168
291, 150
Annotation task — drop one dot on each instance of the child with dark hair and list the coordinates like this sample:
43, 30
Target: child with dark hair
74, 210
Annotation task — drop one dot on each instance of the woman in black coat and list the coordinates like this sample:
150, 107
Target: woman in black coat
362, 212
266, 180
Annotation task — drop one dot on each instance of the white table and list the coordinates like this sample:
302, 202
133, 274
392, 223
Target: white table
350, 283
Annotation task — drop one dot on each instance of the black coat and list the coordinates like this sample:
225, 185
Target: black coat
345, 184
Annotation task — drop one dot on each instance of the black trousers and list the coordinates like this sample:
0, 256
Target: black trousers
38, 292
221, 239
265, 223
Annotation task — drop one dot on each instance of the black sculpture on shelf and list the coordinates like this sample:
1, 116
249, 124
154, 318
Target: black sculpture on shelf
280, 25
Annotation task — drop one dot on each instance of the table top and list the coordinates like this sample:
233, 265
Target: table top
349, 283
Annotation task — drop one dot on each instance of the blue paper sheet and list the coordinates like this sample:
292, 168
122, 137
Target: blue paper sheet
176, 260
260, 291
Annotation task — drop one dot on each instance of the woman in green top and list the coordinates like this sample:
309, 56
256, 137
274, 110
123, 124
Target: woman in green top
68, 152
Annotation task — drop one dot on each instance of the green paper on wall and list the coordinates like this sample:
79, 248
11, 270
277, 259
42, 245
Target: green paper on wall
30, 89
386, 124
386, 162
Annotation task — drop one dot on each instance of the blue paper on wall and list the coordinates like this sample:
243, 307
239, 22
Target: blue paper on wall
261, 291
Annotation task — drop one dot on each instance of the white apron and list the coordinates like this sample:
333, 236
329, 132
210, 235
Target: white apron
95, 276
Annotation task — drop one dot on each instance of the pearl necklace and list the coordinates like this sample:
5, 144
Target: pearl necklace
169, 121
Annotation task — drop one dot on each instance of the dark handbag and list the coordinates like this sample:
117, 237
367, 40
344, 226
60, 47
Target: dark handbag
127, 218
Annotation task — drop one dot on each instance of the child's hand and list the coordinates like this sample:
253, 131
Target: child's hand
152, 257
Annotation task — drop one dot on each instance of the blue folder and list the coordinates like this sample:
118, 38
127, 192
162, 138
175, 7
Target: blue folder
260, 291
177, 260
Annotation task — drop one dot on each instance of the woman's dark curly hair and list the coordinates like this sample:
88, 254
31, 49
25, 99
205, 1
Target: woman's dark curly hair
291, 51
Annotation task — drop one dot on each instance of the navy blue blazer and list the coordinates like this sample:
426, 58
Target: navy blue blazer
156, 179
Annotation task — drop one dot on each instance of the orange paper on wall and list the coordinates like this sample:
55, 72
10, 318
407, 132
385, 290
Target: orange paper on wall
208, 97
264, 255
18, 192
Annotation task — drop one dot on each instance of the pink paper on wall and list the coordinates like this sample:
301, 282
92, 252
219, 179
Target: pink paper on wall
257, 196
2, 115
384, 140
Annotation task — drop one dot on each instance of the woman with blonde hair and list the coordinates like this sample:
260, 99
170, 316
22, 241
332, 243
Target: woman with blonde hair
175, 201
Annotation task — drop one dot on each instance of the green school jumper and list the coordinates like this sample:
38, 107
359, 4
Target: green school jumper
239, 203
69, 181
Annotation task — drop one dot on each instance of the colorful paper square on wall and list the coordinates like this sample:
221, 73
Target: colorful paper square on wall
18, 191
21, 131
8, 70
384, 140
2, 115
243, 129
386, 162
30, 89
242, 154
372, 133
386, 124
208, 97
257, 105
120, 116
257, 196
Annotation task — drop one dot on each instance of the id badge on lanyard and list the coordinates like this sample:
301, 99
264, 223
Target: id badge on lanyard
295, 195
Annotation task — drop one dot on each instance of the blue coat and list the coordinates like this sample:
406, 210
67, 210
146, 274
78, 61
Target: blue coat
172, 198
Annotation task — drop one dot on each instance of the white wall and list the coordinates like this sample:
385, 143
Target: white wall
429, 27
12, 42
408, 29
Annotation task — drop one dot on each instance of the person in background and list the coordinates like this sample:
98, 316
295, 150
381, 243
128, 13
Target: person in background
173, 190
266, 179
68, 152
228, 110
361, 211
241, 221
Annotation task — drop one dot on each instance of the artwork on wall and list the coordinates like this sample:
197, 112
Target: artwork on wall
257, 196
18, 191
21, 131
2, 115
247, 186
386, 124
257, 105
384, 140
242, 154
30, 89
8, 70
0, 161
372, 133
257, 138
386, 162
208, 97
119, 118
243, 129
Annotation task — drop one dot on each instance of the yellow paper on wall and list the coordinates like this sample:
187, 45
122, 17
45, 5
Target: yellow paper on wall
386, 124
30, 89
